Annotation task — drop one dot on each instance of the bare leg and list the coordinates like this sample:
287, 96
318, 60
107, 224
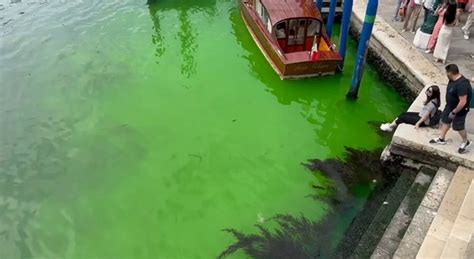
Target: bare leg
416, 15
467, 27
397, 10
444, 130
394, 123
463, 134
408, 16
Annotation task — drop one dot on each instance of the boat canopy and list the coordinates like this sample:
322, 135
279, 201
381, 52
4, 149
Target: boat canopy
279, 10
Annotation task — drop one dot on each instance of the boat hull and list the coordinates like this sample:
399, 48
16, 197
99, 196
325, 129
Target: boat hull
287, 66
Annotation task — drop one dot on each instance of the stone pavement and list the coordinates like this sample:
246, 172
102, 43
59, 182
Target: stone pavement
460, 51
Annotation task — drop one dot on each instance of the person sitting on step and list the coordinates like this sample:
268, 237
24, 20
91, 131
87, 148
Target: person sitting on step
426, 117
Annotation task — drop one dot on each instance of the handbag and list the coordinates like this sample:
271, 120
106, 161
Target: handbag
402, 12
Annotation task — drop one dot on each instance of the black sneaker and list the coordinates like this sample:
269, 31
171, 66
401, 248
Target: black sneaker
438, 141
464, 146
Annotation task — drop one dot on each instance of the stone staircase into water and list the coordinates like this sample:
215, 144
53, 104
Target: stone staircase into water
366, 231
429, 214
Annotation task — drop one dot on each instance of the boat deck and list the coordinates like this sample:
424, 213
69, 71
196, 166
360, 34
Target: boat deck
296, 57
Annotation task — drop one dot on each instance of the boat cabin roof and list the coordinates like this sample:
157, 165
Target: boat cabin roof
286, 9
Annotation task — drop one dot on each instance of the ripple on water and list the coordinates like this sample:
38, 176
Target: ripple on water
72, 19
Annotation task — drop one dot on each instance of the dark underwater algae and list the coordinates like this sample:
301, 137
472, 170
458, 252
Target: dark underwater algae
301, 237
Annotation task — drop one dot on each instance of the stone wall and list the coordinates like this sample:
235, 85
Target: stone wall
388, 67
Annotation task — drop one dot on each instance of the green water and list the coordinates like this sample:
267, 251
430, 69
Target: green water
137, 131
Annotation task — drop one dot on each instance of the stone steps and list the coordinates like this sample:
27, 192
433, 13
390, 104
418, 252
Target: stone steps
416, 232
442, 225
362, 222
400, 222
426, 215
463, 228
470, 248
372, 235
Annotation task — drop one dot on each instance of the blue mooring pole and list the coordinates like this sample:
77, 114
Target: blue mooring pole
332, 13
362, 49
319, 4
346, 22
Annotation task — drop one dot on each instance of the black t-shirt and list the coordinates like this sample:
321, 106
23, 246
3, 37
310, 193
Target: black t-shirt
460, 87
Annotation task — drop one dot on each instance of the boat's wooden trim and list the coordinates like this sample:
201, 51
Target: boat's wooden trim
295, 77
268, 48
259, 45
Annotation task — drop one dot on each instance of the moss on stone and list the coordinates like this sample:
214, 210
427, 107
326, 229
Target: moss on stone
385, 72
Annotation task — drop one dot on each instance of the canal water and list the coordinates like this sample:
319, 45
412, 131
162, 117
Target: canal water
135, 130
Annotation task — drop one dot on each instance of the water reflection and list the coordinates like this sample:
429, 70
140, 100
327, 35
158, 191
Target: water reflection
188, 44
260, 67
316, 97
157, 37
186, 34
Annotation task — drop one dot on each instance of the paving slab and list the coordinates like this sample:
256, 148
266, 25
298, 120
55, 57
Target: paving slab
470, 248
463, 228
437, 189
430, 250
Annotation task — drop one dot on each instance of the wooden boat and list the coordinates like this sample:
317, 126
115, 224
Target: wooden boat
291, 35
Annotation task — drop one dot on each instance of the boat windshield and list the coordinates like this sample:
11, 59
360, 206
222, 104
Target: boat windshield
296, 34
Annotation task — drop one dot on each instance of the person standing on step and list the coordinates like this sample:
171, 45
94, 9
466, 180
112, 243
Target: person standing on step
445, 34
467, 27
425, 33
437, 27
461, 8
413, 12
429, 6
458, 98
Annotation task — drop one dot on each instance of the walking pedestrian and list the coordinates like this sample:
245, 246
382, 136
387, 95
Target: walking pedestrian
413, 12
461, 8
467, 27
444, 39
429, 6
439, 23
425, 33
399, 11
458, 98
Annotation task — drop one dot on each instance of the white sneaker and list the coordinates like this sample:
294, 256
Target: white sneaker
466, 37
438, 141
386, 127
464, 146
